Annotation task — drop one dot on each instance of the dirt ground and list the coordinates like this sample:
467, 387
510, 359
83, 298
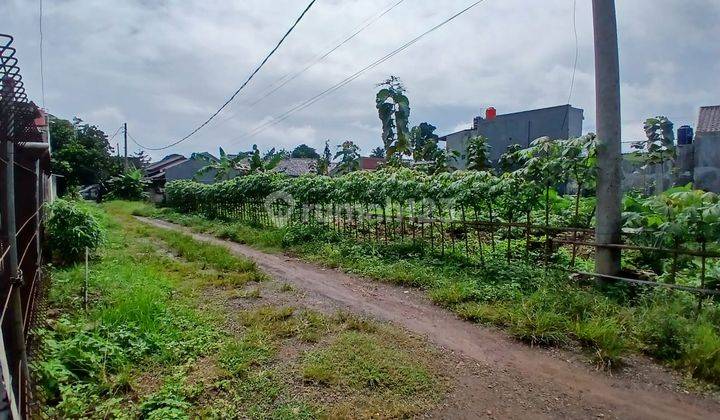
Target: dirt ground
494, 375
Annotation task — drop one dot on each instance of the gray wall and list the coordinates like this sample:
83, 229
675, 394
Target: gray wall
188, 170
707, 161
560, 122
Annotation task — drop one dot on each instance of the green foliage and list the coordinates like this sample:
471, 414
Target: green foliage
349, 154
128, 186
70, 229
423, 142
659, 146
81, 153
477, 154
378, 152
223, 167
394, 112
304, 151
323, 164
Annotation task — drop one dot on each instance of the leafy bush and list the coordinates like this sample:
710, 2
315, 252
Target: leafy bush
304, 233
70, 229
128, 186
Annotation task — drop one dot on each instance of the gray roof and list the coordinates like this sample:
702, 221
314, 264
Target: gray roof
709, 119
296, 166
168, 160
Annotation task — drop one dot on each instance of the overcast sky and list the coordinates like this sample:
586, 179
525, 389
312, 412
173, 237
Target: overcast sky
163, 66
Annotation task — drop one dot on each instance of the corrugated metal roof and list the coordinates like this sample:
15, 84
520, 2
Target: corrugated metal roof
709, 119
296, 166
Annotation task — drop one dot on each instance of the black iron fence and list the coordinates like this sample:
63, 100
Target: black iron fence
470, 236
24, 190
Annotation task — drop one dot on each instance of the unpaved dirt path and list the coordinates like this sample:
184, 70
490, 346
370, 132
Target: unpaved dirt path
505, 378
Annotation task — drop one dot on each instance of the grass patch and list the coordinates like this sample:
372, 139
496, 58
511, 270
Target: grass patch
141, 349
374, 371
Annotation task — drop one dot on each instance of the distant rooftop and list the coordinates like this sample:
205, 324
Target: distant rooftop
709, 119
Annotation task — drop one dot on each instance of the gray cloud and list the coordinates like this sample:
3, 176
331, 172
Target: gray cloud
163, 66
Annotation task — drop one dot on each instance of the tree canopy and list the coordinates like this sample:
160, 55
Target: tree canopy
81, 153
305, 151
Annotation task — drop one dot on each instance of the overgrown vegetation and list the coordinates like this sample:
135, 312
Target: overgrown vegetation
157, 341
538, 306
70, 229
128, 186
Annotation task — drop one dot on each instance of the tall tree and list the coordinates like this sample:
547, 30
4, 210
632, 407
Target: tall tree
378, 152
477, 154
424, 142
81, 153
349, 154
394, 113
305, 151
323, 164
657, 148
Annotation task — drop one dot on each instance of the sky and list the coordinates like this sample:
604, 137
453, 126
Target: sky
164, 66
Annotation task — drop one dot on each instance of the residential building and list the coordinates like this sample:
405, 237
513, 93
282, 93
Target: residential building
365, 164
296, 166
706, 149
557, 122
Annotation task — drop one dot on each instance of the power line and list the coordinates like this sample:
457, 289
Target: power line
279, 118
284, 80
577, 54
277, 46
325, 55
114, 134
42, 64
137, 143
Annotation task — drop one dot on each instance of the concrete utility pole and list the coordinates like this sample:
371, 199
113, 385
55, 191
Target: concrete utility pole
126, 158
607, 105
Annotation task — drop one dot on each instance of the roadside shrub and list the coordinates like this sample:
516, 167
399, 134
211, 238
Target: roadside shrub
128, 186
305, 233
664, 333
70, 229
702, 356
605, 336
537, 320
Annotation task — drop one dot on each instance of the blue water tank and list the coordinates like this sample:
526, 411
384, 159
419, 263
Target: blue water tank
685, 135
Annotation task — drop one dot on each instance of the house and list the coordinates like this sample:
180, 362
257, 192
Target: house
557, 122
188, 169
365, 164
371, 163
156, 170
295, 167
706, 150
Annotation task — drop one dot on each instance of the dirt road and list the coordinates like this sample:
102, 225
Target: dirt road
505, 378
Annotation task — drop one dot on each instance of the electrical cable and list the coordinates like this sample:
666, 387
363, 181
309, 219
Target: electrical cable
286, 79
42, 63
115, 134
577, 54
299, 107
232, 97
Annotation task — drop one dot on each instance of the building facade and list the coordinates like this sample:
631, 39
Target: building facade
706, 147
557, 122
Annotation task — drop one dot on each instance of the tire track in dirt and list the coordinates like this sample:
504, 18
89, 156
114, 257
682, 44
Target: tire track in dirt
518, 381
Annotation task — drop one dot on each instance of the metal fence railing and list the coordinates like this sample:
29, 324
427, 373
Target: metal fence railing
24, 190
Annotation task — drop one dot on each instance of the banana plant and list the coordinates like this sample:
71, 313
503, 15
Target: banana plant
222, 167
